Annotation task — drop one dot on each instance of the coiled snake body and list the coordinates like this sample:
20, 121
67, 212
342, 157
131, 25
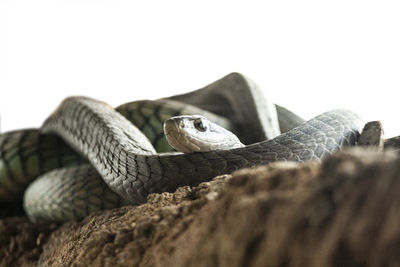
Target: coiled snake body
131, 167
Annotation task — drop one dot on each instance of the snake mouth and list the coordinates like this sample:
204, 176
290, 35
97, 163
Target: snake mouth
171, 128
173, 133
172, 139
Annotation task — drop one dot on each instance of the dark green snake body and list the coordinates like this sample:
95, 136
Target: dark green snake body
27, 154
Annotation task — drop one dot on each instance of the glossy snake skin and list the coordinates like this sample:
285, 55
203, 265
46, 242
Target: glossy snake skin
132, 168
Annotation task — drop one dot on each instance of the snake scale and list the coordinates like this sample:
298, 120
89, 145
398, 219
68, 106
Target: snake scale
129, 164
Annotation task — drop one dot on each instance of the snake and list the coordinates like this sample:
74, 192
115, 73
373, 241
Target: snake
108, 160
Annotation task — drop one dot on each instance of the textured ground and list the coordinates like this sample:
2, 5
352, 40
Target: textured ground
344, 212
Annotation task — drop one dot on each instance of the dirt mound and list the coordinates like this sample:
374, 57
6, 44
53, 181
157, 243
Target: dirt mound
344, 212
21, 242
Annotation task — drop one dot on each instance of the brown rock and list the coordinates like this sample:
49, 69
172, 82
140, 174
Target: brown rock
21, 242
344, 212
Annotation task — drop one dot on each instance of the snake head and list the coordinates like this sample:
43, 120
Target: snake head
196, 133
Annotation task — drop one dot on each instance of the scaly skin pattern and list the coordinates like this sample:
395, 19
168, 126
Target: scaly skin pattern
130, 166
28, 154
69, 193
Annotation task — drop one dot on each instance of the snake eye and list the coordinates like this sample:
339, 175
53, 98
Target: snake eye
198, 124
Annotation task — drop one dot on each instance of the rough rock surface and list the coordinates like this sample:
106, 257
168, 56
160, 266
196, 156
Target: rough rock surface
344, 212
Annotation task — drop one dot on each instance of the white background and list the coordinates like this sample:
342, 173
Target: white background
309, 56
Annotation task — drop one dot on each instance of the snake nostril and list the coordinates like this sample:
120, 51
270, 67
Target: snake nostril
181, 124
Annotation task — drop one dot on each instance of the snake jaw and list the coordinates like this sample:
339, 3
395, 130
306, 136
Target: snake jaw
176, 135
